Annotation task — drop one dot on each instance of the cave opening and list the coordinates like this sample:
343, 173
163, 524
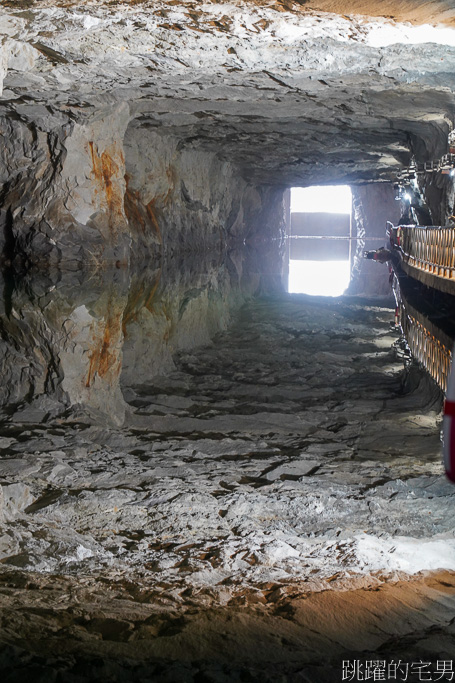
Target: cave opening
320, 238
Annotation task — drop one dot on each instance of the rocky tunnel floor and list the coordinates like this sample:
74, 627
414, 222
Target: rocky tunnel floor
274, 505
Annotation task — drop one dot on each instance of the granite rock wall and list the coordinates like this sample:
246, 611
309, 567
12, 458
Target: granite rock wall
106, 191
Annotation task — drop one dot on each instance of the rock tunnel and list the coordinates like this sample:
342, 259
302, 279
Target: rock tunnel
203, 477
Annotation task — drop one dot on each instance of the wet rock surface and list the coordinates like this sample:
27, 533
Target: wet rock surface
292, 454
72, 338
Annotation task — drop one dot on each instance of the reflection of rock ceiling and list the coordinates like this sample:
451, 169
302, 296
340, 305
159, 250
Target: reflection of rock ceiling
260, 501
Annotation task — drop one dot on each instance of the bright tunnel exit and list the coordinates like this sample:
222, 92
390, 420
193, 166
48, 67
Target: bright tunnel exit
319, 244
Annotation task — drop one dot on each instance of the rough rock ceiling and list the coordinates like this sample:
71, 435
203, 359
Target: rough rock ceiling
291, 93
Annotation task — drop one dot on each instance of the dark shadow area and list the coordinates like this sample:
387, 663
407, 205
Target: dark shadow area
277, 632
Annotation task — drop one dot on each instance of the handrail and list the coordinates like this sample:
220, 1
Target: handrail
435, 357
444, 165
428, 344
430, 249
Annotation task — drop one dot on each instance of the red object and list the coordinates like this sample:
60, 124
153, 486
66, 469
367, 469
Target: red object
448, 426
449, 408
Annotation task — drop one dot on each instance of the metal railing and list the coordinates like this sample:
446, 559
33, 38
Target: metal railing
435, 357
428, 344
444, 165
430, 249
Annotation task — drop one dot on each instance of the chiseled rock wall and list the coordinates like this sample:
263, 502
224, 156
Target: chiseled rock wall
81, 195
188, 200
62, 189
373, 205
162, 227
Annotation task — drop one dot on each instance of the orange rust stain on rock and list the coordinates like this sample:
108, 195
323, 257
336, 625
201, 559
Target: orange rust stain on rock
140, 216
151, 212
104, 358
171, 175
133, 210
106, 174
149, 303
140, 297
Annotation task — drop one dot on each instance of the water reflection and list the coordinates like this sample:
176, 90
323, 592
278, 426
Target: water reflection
319, 278
79, 339
427, 320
